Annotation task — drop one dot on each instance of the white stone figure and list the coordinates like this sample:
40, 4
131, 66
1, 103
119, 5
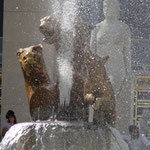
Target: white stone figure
112, 38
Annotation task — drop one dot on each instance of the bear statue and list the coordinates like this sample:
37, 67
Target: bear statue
42, 96
98, 90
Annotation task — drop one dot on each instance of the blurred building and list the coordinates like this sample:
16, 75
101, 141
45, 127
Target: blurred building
1, 40
136, 14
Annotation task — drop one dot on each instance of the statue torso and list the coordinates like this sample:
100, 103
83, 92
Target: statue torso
110, 38
110, 42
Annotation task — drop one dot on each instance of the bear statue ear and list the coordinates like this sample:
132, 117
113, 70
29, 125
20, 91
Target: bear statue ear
37, 48
104, 59
47, 18
44, 21
19, 52
83, 23
91, 27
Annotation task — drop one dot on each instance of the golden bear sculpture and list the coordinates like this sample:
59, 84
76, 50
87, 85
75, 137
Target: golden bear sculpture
50, 28
98, 90
42, 96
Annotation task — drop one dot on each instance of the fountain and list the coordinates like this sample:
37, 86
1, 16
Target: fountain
78, 111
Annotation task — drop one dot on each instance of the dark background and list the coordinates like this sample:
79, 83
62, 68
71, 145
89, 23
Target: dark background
1, 31
1, 18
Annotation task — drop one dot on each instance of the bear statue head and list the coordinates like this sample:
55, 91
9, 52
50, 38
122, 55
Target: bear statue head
50, 28
32, 64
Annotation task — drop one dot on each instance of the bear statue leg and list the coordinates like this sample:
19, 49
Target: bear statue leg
44, 103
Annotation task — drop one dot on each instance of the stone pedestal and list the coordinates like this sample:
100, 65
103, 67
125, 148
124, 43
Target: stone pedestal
62, 136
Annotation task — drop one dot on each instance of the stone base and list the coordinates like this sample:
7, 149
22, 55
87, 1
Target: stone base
61, 136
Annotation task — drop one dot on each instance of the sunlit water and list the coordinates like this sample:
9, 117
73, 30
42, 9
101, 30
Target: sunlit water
65, 54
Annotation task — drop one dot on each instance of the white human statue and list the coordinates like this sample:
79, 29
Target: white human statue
112, 38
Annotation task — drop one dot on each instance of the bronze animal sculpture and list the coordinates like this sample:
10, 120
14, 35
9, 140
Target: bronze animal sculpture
98, 90
41, 96
77, 103
89, 77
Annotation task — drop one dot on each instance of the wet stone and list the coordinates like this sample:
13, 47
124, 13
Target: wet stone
61, 135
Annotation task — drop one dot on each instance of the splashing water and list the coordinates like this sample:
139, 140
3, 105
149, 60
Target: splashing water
65, 56
65, 80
